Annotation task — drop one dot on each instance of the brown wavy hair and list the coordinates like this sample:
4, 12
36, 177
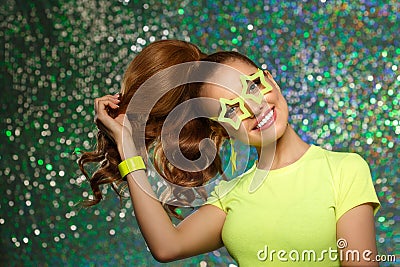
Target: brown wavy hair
151, 60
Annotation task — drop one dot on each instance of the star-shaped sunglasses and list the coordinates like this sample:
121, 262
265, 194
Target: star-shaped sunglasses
234, 111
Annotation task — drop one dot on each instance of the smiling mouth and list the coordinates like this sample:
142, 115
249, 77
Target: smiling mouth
266, 120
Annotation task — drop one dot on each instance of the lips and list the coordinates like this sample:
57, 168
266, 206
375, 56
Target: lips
265, 120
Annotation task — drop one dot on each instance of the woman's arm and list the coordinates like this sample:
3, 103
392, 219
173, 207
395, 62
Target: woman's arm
357, 227
198, 233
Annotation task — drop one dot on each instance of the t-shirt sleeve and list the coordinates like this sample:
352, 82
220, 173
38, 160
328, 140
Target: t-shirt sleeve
355, 185
219, 197
214, 199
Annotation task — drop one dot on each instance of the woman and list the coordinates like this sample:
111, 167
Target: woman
288, 209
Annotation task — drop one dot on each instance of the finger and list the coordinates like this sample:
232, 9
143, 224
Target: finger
103, 120
105, 98
102, 113
101, 108
103, 104
96, 101
109, 97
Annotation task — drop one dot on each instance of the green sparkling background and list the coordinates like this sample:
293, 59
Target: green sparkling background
337, 63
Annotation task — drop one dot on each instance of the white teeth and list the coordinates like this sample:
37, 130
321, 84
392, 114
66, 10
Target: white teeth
266, 119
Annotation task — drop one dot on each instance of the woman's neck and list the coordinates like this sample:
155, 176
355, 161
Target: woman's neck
285, 151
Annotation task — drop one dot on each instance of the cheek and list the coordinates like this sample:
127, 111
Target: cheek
279, 98
283, 101
283, 111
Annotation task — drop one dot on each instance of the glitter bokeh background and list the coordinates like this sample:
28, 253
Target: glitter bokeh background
337, 63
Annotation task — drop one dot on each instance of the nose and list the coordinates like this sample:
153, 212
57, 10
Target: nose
254, 107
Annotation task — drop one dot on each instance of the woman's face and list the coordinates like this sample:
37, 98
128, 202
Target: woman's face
258, 121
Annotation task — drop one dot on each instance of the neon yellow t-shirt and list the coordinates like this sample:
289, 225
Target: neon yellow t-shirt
295, 210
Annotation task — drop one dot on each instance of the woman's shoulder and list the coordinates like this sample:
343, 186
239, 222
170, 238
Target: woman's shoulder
341, 163
339, 157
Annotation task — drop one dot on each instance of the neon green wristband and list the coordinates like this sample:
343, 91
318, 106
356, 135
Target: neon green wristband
131, 165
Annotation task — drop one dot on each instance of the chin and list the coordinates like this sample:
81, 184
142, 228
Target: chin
270, 137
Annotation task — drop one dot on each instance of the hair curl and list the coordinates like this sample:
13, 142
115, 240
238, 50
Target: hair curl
152, 59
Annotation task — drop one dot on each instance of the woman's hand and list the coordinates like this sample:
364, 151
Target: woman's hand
118, 128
